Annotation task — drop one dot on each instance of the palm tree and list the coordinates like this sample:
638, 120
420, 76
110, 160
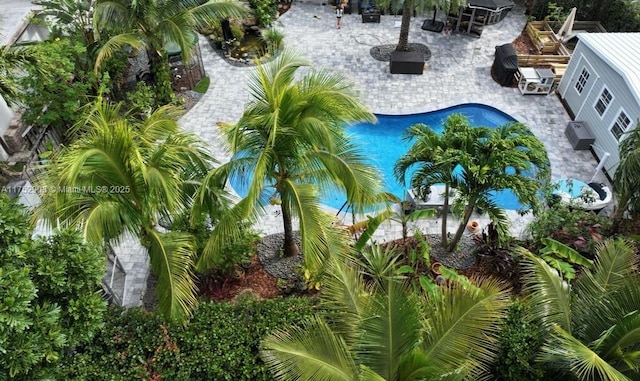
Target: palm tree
153, 24
428, 152
12, 61
627, 177
118, 178
291, 138
485, 159
73, 17
419, 6
592, 324
380, 330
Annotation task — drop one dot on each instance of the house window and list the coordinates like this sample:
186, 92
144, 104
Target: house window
582, 80
603, 102
621, 125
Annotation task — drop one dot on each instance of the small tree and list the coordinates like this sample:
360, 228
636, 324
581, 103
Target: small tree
627, 177
475, 161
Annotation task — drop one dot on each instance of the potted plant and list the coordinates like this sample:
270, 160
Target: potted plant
435, 268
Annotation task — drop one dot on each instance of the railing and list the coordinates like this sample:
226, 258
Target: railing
114, 282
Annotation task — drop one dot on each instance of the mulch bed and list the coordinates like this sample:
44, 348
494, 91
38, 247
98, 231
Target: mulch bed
254, 278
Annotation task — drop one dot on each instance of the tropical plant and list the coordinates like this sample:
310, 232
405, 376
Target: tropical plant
265, 11
562, 258
48, 295
475, 161
426, 152
379, 330
578, 228
70, 17
58, 87
626, 178
121, 176
289, 146
273, 39
419, 7
12, 61
520, 342
591, 325
154, 24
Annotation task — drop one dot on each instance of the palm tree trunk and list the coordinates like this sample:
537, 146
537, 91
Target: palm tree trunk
403, 41
463, 224
618, 212
290, 247
445, 213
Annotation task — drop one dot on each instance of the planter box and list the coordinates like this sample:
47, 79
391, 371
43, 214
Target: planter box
371, 17
406, 63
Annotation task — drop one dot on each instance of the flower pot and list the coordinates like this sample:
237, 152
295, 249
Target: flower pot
473, 226
435, 268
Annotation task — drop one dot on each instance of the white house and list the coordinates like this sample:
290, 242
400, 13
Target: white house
601, 87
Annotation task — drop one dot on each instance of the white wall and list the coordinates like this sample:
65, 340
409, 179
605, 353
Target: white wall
5, 119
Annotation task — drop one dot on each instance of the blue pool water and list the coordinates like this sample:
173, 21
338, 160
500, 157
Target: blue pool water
382, 143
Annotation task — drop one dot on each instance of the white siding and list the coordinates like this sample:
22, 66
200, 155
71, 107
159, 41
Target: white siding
614, 62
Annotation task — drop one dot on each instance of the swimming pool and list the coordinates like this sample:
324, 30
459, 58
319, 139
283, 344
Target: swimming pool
382, 143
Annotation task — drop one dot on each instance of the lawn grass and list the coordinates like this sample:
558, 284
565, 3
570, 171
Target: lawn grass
202, 86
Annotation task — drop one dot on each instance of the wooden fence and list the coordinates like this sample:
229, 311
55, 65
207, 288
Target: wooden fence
542, 60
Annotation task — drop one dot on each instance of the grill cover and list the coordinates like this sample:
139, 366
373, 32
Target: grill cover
505, 64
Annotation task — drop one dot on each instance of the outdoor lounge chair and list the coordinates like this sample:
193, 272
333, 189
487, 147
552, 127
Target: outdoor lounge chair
593, 197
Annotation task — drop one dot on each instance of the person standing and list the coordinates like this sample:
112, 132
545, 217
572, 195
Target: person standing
339, 13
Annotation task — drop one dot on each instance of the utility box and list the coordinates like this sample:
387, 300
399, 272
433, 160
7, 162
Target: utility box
579, 135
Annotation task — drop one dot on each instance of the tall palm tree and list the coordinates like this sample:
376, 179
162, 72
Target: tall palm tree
592, 325
153, 24
380, 330
118, 178
291, 139
428, 153
485, 159
418, 6
627, 177
12, 61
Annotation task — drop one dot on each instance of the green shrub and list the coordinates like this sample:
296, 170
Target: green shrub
142, 101
239, 251
265, 11
519, 345
48, 298
221, 342
579, 229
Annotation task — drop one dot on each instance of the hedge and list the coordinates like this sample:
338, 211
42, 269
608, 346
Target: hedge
221, 342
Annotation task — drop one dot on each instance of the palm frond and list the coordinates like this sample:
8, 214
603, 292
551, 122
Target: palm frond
566, 353
464, 327
616, 260
171, 257
116, 44
343, 294
309, 352
550, 294
393, 323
